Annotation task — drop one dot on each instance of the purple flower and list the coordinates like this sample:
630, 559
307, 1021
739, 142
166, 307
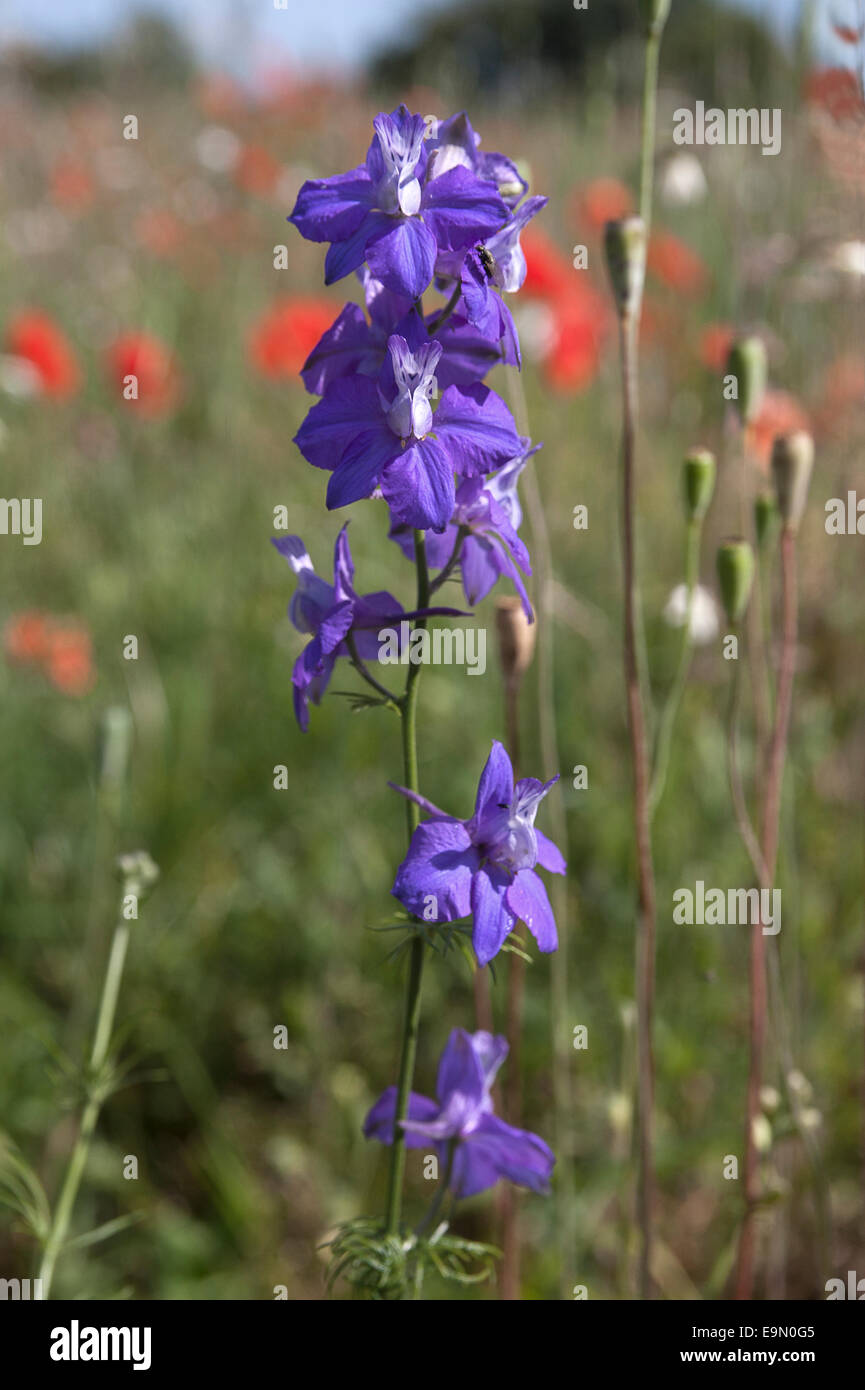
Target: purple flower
330, 612
499, 264
485, 866
453, 143
387, 213
385, 434
354, 345
485, 1148
490, 510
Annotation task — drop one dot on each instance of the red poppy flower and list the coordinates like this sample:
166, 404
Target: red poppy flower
144, 373
71, 185
257, 171
601, 201
69, 660
285, 335
837, 91
677, 267
780, 413
548, 272
61, 647
25, 637
716, 340
582, 322
34, 337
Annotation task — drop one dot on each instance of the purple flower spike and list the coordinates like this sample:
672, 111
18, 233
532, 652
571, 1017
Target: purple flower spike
384, 434
490, 510
485, 1148
388, 214
484, 867
330, 612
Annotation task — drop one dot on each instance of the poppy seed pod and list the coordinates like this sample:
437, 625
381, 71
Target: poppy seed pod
516, 638
765, 515
735, 577
747, 363
654, 14
625, 247
698, 483
792, 462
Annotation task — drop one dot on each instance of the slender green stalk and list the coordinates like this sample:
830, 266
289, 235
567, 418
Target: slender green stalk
411, 1019
564, 902
99, 1089
674, 699
650, 103
645, 936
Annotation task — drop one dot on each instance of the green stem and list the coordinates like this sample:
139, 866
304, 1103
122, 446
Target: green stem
411, 1020
650, 102
674, 699
90, 1116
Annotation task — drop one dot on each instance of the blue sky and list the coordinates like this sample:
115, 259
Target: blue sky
317, 32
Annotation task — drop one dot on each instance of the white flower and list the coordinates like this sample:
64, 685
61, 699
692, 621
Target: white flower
704, 613
683, 181
849, 258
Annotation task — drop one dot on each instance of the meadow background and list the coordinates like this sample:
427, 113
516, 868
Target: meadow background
157, 518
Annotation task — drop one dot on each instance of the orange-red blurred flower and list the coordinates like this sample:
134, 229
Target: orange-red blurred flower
582, 321
71, 185
780, 413
257, 171
36, 338
144, 372
69, 662
716, 340
672, 262
25, 637
60, 647
603, 200
160, 231
837, 91
285, 335
548, 272
580, 317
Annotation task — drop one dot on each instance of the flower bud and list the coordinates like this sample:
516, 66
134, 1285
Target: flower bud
792, 461
698, 483
625, 247
516, 638
735, 576
746, 361
765, 516
654, 14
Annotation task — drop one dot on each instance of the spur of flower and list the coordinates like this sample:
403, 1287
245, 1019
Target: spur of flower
481, 539
475, 1147
340, 621
384, 434
484, 867
390, 214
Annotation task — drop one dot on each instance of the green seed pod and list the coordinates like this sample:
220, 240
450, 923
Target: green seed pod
698, 483
654, 14
765, 516
625, 246
747, 363
792, 462
735, 576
